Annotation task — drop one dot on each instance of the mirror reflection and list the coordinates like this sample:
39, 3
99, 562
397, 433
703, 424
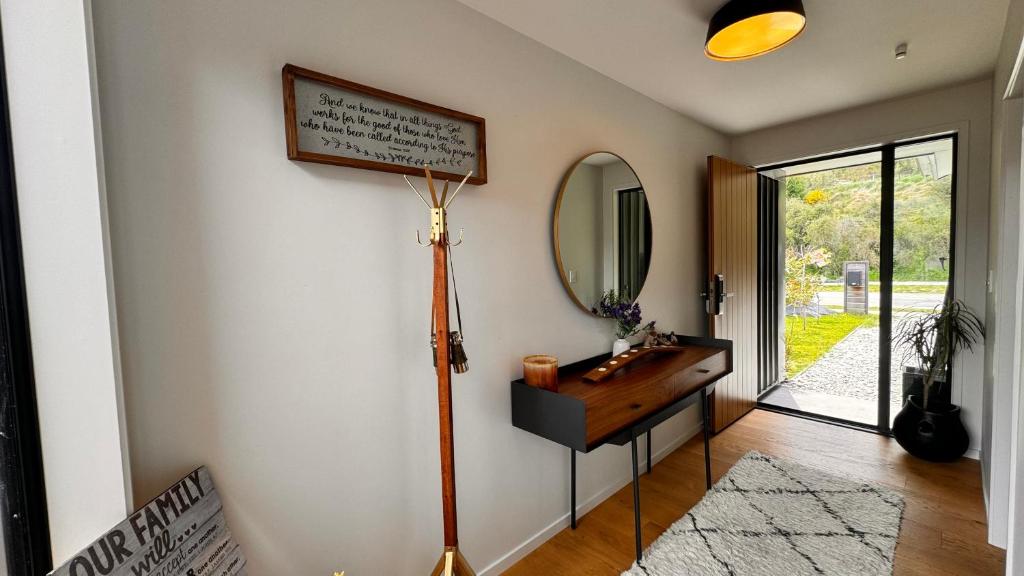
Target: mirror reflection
602, 230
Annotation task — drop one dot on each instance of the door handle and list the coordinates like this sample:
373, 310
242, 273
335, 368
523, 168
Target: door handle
720, 294
715, 295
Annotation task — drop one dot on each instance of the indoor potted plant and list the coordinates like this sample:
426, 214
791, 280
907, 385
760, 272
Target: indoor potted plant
929, 427
627, 318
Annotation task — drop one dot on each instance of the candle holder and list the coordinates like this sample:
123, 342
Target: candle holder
541, 371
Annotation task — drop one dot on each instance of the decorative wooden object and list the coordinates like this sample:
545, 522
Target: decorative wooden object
541, 371
451, 563
610, 367
333, 121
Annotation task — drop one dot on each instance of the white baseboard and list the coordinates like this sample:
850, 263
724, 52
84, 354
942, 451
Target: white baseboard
533, 542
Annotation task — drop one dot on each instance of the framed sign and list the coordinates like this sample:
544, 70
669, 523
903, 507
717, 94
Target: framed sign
181, 532
334, 121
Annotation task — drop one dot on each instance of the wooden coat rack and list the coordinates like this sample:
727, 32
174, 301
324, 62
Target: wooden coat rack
451, 563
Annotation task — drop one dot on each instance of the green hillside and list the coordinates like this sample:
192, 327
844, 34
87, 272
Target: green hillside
839, 210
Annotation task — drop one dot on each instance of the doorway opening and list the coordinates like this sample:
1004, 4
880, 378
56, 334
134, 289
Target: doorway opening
634, 238
862, 241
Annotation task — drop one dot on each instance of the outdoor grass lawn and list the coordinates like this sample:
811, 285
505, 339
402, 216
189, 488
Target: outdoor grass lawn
805, 346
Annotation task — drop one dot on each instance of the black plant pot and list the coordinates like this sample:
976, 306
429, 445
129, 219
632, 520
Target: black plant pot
936, 434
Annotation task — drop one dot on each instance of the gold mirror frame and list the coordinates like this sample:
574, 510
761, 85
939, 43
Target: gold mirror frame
554, 228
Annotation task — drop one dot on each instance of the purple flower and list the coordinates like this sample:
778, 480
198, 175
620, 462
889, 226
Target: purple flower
627, 315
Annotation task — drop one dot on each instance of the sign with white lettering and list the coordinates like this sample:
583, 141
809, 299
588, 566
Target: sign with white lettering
334, 121
181, 532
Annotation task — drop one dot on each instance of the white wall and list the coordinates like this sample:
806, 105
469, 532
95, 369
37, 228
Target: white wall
965, 108
581, 232
71, 317
1002, 309
274, 314
1003, 298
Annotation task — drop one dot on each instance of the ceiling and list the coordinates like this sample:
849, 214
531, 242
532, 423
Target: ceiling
844, 58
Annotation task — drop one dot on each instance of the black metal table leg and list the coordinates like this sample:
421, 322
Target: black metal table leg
649, 451
572, 490
636, 501
707, 435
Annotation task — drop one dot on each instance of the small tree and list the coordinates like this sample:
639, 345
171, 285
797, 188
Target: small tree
803, 282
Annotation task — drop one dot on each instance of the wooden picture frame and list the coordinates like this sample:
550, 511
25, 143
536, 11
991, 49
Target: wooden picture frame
292, 128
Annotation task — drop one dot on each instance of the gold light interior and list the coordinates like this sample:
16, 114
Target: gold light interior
754, 36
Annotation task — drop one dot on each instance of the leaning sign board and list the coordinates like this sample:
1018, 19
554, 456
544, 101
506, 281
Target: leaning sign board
334, 121
180, 532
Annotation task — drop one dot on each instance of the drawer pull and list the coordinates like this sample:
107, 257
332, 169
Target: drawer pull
635, 406
703, 370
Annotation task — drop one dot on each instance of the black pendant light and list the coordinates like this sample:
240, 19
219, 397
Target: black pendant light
745, 29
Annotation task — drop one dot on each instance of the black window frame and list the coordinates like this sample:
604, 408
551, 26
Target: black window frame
888, 153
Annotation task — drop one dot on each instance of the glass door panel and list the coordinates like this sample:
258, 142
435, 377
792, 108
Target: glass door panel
924, 190
832, 226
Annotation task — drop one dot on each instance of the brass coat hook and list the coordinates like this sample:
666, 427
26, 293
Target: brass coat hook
420, 242
461, 230
438, 208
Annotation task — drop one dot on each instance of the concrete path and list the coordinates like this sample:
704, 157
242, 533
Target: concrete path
843, 383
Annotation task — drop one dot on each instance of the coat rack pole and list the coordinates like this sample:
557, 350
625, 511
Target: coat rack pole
451, 563
444, 391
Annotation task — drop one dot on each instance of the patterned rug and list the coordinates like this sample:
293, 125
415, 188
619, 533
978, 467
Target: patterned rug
770, 517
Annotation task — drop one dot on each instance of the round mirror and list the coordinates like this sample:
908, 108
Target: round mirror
602, 230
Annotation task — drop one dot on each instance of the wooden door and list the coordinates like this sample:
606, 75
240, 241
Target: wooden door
732, 283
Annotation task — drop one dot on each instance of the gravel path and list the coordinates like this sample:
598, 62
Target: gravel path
850, 369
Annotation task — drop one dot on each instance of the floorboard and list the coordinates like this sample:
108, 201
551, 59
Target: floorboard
943, 530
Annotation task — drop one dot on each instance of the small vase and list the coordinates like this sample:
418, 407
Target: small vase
619, 346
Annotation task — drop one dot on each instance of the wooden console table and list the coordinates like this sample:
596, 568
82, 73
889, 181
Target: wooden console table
585, 415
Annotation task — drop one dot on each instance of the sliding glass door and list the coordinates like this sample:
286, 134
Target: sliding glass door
866, 241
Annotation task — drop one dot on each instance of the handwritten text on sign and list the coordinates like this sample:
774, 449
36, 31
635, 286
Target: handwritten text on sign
180, 533
341, 122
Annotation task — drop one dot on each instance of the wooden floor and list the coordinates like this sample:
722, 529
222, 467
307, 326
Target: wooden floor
943, 529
